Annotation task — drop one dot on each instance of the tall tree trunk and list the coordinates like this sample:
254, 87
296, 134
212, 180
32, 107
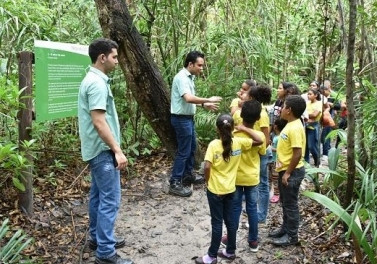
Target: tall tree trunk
142, 74
350, 105
363, 158
341, 25
366, 44
351, 118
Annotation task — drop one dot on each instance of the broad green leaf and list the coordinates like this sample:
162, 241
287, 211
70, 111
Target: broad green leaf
342, 214
19, 185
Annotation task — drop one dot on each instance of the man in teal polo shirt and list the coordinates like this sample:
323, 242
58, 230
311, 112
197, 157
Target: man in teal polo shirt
183, 108
100, 147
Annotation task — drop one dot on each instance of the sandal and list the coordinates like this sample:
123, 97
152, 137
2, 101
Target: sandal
275, 199
200, 260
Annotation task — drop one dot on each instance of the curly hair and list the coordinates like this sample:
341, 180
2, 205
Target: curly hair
262, 93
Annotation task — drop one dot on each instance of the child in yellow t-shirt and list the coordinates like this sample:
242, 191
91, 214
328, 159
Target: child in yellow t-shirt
236, 103
248, 172
220, 169
261, 93
314, 110
290, 165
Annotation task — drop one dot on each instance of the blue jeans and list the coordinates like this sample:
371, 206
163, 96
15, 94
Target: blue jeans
251, 198
289, 201
221, 208
326, 142
312, 141
186, 145
263, 189
104, 201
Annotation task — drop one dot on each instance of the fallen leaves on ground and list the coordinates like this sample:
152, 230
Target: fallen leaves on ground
60, 221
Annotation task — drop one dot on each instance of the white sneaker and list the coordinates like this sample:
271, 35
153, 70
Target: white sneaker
324, 160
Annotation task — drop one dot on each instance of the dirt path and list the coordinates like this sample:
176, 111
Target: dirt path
160, 228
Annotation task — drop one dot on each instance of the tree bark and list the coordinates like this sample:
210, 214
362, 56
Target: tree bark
341, 25
350, 105
142, 74
363, 158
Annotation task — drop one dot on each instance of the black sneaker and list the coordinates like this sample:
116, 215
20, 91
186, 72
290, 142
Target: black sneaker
277, 233
176, 188
116, 259
192, 178
285, 240
120, 242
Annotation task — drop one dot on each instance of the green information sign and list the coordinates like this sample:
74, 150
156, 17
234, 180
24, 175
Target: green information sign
59, 70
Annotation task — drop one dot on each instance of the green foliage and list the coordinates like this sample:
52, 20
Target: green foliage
352, 222
205, 126
335, 176
271, 42
11, 250
23, 21
12, 160
9, 106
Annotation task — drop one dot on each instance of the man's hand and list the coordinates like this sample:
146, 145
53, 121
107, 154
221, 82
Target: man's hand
121, 160
211, 106
215, 99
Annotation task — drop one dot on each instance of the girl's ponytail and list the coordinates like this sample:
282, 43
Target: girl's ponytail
225, 126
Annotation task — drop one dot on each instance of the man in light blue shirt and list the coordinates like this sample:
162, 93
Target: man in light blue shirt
182, 109
100, 146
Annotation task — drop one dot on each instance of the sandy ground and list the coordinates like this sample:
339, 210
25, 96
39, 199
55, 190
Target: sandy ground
165, 229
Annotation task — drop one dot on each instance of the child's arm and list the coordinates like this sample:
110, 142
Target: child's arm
207, 170
316, 111
266, 133
314, 114
257, 140
297, 152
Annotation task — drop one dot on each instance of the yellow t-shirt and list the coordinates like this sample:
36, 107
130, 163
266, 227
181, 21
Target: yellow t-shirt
237, 117
311, 107
234, 102
249, 168
222, 179
264, 120
292, 136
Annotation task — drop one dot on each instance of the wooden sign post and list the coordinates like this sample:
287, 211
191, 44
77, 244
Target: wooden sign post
25, 61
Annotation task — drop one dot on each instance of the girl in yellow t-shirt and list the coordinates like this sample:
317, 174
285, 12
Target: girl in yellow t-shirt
314, 110
220, 170
236, 103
